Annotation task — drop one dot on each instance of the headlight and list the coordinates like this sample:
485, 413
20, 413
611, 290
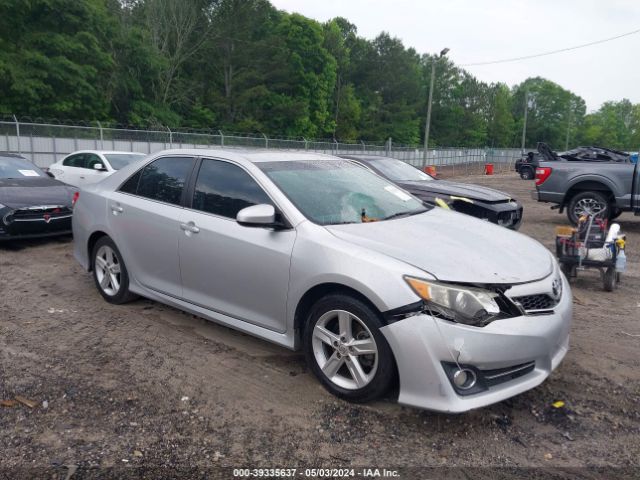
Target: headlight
468, 305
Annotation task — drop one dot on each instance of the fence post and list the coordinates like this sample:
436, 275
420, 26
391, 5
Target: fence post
221, 138
306, 143
17, 134
170, 137
364, 147
388, 146
101, 136
335, 143
33, 155
266, 141
55, 152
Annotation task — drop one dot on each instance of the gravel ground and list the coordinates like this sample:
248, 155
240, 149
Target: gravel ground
145, 385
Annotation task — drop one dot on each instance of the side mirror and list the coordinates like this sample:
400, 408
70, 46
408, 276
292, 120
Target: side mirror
99, 167
50, 174
262, 215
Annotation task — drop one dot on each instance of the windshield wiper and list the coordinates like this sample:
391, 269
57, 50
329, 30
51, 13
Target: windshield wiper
404, 214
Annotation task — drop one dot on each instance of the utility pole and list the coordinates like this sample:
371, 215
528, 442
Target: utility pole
566, 141
428, 123
524, 127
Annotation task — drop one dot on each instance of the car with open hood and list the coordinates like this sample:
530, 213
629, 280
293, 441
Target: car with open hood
32, 204
475, 200
313, 252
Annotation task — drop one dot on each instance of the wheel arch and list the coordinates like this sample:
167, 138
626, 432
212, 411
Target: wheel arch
315, 293
586, 186
91, 242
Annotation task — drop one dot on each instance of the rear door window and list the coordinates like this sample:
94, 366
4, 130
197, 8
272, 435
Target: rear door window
162, 180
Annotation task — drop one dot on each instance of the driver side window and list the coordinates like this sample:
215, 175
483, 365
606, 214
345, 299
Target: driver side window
92, 160
77, 161
224, 189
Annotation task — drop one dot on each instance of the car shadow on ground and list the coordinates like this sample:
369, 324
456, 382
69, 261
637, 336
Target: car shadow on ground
17, 245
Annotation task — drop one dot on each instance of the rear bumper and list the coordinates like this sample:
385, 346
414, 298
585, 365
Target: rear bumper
421, 344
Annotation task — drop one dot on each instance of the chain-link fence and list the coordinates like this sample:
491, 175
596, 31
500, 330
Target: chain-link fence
46, 143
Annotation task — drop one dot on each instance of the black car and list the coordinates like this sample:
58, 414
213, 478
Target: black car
32, 204
526, 166
482, 202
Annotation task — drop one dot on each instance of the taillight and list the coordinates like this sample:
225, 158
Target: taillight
542, 173
74, 199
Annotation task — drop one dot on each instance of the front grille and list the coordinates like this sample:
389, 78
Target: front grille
40, 213
510, 217
532, 303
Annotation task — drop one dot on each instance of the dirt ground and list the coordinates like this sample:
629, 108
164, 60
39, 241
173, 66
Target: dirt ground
145, 385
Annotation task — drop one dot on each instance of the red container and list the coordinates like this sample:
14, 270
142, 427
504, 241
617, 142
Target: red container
431, 170
488, 169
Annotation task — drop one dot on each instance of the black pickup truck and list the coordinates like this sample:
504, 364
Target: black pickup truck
594, 185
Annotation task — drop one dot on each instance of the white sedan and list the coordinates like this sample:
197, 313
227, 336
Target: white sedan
90, 166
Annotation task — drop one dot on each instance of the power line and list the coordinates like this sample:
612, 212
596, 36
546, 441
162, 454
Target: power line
552, 52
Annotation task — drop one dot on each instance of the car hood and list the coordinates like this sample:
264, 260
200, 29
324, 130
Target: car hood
443, 187
454, 247
29, 192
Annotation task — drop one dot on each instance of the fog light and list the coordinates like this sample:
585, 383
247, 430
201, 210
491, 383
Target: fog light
464, 378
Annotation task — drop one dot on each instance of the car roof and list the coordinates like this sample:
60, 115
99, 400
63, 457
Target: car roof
12, 155
250, 155
121, 152
367, 158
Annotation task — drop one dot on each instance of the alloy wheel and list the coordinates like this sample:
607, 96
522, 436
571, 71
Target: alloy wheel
589, 207
108, 270
345, 349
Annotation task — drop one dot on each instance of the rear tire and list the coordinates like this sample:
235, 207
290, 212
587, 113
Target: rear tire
526, 173
110, 273
589, 202
345, 349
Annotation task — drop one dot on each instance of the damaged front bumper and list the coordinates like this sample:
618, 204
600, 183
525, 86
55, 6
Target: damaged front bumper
509, 356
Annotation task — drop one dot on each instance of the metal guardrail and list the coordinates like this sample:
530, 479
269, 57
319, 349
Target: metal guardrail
46, 143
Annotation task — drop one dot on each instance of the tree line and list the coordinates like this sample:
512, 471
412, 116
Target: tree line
244, 66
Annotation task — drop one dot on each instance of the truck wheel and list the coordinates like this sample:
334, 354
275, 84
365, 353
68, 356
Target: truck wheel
526, 173
588, 203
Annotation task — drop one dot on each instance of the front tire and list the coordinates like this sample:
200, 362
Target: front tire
588, 203
110, 273
345, 349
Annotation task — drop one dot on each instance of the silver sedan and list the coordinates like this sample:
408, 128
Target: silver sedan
311, 251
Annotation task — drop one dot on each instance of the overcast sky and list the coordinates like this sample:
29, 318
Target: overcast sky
485, 30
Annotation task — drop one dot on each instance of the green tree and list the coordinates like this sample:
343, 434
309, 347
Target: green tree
53, 60
553, 110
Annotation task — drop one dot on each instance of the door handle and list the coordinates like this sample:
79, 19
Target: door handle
189, 227
116, 209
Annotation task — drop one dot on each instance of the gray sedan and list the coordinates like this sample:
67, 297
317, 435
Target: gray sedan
311, 251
